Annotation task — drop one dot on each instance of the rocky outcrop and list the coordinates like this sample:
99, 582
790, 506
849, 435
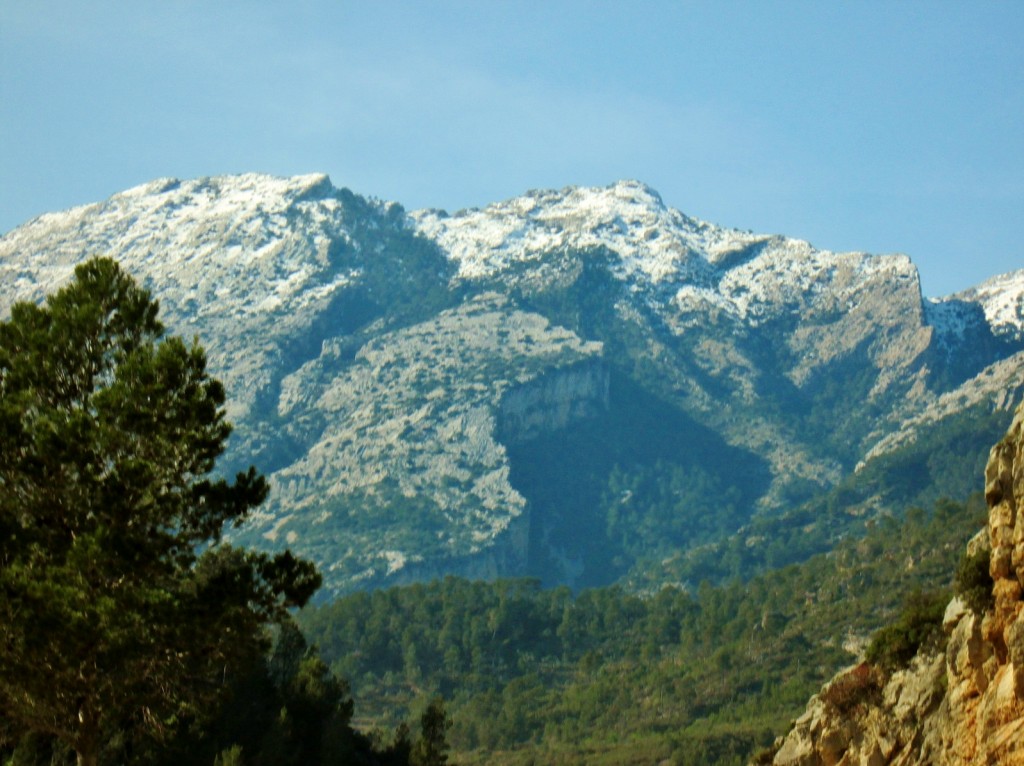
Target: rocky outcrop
960, 707
410, 437
553, 402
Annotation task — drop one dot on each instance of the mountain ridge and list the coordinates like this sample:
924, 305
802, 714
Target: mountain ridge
326, 314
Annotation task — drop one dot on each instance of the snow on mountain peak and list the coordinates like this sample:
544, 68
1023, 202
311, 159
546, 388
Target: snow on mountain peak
654, 242
227, 252
231, 244
232, 192
747, 275
168, 227
1002, 300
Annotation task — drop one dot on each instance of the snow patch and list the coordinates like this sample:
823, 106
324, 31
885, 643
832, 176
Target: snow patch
1002, 299
396, 560
663, 254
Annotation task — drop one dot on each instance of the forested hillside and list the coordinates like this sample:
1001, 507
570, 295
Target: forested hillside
535, 675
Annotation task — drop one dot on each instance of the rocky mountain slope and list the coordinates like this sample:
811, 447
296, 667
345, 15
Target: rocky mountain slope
566, 384
962, 704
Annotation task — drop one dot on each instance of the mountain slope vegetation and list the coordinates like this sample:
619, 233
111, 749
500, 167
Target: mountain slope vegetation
535, 675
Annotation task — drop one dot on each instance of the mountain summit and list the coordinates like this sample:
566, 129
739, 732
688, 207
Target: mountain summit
579, 384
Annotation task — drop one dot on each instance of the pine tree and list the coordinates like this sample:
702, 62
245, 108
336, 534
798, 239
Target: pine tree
111, 621
431, 749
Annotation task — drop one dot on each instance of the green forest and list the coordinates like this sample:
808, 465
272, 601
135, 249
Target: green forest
535, 675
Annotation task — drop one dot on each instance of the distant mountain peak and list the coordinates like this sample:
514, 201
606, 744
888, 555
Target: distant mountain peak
693, 262
1002, 299
379, 363
628, 218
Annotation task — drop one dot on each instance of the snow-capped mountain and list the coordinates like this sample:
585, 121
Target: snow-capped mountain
750, 276
1002, 300
562, 384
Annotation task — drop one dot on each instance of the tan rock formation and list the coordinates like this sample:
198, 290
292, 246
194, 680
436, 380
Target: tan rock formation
961, 708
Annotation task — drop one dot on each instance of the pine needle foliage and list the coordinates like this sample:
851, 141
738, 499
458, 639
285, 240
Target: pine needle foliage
111, 620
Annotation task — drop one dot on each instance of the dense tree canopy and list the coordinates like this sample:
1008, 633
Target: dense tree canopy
609, 676
120, 610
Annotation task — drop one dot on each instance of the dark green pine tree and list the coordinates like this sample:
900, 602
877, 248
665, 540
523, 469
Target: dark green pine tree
431, 749
112, 624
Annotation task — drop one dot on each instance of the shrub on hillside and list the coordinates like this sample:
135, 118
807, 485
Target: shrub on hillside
974, 581
918, 627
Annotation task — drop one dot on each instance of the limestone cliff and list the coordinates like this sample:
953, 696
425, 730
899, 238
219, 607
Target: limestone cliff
553, 401
958, 707
410, 430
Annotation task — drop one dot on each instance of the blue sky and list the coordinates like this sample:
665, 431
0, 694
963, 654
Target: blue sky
877, 126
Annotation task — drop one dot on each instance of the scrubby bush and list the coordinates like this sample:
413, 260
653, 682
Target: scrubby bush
974, 581
918, 626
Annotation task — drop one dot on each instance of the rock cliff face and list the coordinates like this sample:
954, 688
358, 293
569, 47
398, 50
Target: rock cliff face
960, 707
553, 402
409, 428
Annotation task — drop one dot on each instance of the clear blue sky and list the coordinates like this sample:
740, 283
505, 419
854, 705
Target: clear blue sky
878, 126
